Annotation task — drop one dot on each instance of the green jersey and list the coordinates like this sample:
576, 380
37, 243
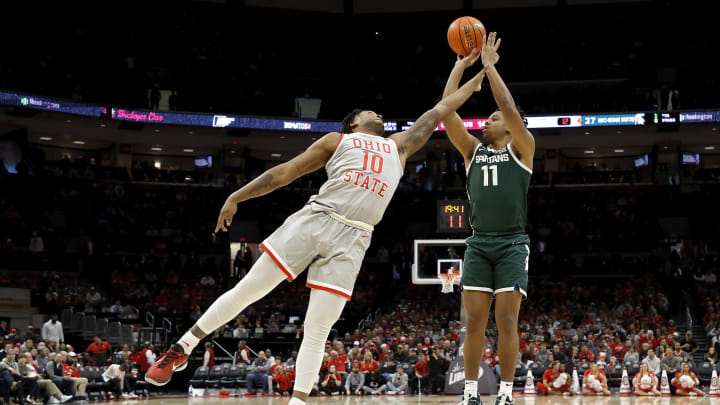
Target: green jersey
497, 185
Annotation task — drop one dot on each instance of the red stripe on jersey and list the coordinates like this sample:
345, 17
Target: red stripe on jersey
275, 259
337, 146
328, 289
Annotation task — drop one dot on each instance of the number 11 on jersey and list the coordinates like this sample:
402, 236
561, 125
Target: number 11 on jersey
492, 169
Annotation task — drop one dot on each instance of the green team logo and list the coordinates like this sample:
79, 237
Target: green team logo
24, 101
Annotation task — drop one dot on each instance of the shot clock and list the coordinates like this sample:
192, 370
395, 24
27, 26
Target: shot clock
453, 216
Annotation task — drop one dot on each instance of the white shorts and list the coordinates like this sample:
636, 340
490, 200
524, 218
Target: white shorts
333, 250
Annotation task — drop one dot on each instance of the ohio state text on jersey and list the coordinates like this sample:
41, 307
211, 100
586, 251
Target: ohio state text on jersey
363, 175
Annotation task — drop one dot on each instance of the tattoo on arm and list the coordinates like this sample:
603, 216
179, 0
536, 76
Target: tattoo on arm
422, 130
262, 185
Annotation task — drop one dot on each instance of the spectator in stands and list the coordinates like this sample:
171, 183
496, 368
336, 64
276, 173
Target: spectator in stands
269, 356
631, 355
375, 384
242, 354
115, 375
711, 355
413, 356
99, 350
259, 371
209, 356
122, 354
586, 355
688, 343
541, 356
292, 360
284, 380
339, 363
369, 365
45, 386
137, 358
332, 383
30, 334
36, 243
53, 330
558, 354
25, 387
595, 381
679, 352
354, 381
686, 382
653, 362
70, 369
41, 360
670, 363
421, 372
398, 382
150, 355
117, 307
93, 299
55, 371
401, 354
645, 382
437, 367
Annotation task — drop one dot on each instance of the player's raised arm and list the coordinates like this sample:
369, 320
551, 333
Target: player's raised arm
313, 158
522, 140
454, 127
414, 138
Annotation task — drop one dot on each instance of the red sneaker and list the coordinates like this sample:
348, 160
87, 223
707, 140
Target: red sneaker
174, 360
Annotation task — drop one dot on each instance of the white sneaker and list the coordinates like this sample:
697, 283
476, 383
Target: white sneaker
53, 400
132, 395
391, 392
30, 400
66, 398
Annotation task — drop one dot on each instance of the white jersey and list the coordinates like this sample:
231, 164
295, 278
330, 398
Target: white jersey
363, 175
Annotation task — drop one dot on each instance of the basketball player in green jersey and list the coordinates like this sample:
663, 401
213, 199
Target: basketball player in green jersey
496, 260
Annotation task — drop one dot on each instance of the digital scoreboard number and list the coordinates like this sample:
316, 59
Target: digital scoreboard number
453, 216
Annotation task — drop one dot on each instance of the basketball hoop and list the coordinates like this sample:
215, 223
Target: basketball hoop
447, 280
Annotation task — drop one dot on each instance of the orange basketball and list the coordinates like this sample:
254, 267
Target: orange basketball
464, 34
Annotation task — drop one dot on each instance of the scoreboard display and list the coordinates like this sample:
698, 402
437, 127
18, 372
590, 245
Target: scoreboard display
453, 216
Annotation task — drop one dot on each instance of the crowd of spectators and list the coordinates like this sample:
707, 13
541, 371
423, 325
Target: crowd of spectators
45, 367
565, 326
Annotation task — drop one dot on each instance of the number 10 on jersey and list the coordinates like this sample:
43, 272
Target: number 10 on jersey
486, 175
376, 162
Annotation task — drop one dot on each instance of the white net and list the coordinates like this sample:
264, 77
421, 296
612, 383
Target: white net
447, 282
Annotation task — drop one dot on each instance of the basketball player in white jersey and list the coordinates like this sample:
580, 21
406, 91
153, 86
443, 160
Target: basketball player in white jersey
330, 234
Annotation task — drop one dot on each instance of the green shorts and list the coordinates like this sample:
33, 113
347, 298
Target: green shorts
496, 263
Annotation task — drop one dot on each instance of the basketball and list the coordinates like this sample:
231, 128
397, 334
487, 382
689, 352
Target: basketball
464, 34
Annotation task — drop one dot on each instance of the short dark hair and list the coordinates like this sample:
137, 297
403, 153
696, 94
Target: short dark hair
346, 128
522, 114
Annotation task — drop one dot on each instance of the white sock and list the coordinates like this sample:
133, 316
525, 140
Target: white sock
323, 311
262, 278
470, 389
188, 341
296, 401
506, 387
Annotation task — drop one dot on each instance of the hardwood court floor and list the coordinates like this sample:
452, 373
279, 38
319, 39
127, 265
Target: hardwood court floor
427, 399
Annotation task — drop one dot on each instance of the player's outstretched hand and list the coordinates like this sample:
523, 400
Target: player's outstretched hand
226, 215
465, 62
489, 51
479, 79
